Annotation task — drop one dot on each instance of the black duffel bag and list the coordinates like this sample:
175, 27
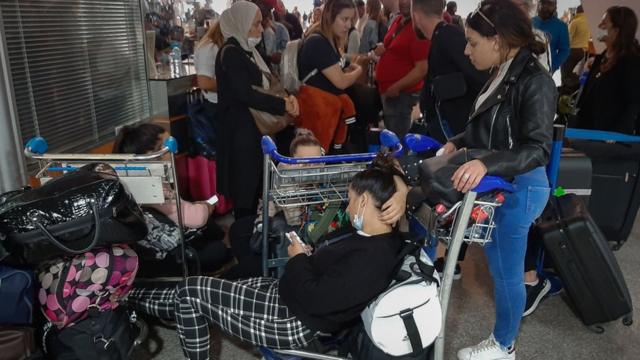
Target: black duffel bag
69, 215
106, 335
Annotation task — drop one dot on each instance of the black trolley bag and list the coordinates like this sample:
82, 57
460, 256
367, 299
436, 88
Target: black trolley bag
597, 291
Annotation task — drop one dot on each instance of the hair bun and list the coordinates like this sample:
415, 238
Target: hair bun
386, 163
303, 132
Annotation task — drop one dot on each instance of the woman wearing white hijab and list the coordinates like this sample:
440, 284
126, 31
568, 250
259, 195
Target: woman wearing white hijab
238, 67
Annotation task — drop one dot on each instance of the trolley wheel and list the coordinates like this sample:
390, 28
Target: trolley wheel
597, 329
627, 320
616, 247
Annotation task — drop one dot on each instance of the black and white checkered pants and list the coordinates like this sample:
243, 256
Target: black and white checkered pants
248, 309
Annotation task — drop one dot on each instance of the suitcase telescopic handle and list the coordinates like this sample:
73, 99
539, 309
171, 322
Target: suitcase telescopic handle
61, 246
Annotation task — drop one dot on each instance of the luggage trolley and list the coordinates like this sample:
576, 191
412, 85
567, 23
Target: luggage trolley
457, 225
328, 182
309, 181
143, 175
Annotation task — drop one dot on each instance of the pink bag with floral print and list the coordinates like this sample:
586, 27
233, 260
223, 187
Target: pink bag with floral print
98, 278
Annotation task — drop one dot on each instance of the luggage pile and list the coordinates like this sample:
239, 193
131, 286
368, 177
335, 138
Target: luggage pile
66, 248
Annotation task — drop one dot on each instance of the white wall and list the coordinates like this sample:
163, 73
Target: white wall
467, 6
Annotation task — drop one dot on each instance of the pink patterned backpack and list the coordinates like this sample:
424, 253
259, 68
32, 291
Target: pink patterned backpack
98, 278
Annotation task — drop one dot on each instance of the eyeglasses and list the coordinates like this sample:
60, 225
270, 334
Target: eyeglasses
479, 12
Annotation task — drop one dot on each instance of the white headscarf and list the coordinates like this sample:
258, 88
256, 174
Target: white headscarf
235, 22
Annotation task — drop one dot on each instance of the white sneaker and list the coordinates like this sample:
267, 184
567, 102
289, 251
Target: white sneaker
487, 350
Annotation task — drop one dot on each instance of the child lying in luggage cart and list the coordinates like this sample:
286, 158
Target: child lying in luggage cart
324, 291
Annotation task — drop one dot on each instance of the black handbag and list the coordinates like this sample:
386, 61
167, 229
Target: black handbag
70, 215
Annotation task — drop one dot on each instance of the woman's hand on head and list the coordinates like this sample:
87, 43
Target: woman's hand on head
468, 175
394, 208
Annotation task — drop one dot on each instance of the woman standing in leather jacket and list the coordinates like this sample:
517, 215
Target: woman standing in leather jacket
512, 121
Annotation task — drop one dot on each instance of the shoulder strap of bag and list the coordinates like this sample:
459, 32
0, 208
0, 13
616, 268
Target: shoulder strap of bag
56, 242
403, 24
334, 240
412, 331
310, 74
421, 269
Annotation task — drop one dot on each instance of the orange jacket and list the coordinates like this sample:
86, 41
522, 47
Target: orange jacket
326, 114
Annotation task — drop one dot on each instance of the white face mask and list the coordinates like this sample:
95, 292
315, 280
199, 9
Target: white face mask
253, 41
601, 35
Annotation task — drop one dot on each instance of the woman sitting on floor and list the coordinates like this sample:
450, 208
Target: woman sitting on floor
322, 292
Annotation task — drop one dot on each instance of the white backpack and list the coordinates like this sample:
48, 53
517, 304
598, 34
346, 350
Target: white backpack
289, 67
407, 317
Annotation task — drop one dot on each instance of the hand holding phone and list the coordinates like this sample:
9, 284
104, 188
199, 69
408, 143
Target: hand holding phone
294, 238
212, 200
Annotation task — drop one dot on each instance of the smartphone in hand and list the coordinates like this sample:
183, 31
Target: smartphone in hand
292, 236
212, 200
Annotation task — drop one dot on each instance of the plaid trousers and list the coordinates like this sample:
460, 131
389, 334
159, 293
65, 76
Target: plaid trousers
248, 309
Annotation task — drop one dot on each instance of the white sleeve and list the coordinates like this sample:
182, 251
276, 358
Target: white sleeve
205, 60
354, 42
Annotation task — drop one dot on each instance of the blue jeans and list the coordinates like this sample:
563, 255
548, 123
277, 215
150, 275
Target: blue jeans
505, 254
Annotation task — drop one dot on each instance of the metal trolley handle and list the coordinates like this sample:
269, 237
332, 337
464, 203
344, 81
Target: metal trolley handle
387, 139
37, 147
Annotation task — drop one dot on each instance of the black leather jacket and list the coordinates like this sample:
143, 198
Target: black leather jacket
511, 132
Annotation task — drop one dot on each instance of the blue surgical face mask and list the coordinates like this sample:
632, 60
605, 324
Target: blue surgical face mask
358, 219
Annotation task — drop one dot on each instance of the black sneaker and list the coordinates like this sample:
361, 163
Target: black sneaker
439, 265
535, 294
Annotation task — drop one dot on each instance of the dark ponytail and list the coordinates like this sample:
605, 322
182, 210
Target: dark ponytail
378, 180
506, 19
139, 139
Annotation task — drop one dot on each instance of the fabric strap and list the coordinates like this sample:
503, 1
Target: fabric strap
412, 331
